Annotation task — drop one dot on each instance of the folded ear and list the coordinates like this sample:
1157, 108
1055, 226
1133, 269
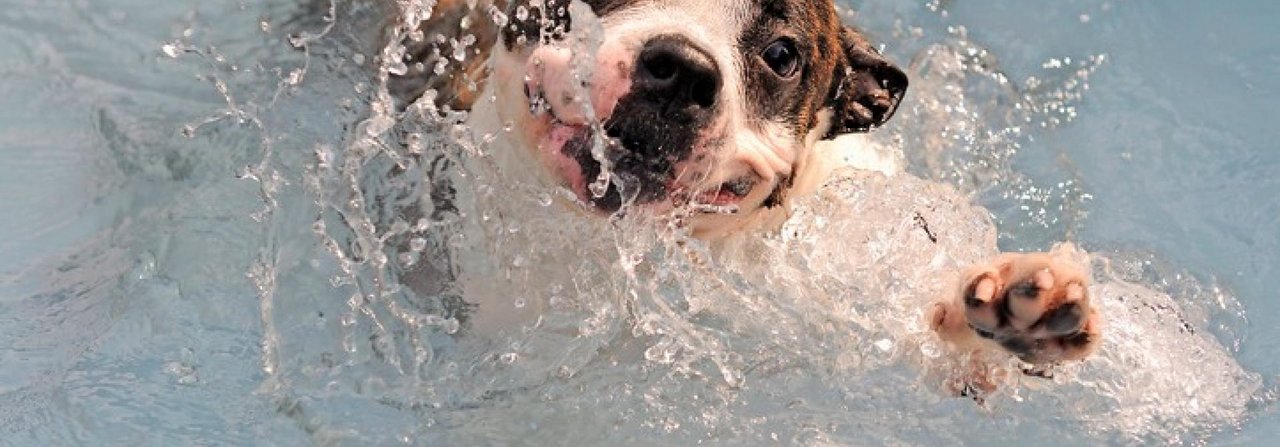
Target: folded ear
867, 87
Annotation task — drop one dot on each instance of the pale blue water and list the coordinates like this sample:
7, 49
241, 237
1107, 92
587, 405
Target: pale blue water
135, 262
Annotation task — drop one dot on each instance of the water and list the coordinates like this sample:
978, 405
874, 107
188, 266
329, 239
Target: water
241, 285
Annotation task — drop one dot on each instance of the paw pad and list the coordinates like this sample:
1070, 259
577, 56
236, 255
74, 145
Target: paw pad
1032, 306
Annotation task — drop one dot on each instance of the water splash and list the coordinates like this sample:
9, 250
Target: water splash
430, 292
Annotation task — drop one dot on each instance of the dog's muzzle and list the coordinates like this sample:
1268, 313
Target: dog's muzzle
674, 92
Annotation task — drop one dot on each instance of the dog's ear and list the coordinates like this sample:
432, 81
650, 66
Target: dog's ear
866, 89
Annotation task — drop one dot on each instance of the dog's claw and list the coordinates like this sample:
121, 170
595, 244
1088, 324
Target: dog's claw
1043, 279
1075, 292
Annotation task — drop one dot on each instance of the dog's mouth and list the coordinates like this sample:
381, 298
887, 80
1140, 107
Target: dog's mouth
645, 162
725, 197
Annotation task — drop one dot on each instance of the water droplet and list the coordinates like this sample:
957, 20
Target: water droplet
397, 68
171, 49
497, 16
295, 77
599, 187
451, 326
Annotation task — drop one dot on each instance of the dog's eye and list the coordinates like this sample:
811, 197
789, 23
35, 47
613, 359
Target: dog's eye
782, 57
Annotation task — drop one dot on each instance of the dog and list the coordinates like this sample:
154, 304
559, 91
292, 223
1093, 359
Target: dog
721, 112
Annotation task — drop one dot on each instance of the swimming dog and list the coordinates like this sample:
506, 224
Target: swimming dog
724, 111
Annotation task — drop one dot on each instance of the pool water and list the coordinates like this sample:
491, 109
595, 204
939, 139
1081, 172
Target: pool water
205, 225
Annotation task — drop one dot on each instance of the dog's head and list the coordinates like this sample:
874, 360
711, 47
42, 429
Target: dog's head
704, 104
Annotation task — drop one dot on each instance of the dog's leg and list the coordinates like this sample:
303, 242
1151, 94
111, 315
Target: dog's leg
1033, 305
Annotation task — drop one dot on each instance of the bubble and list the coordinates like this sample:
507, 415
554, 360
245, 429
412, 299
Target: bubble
556, 302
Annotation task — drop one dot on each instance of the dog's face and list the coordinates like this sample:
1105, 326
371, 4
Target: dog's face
705, 105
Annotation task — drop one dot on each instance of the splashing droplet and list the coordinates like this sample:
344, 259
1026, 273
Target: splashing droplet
171, 49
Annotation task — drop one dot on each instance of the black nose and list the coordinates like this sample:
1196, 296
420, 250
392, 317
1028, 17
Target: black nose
678, 75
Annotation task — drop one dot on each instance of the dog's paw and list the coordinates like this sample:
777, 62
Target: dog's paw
1035, 306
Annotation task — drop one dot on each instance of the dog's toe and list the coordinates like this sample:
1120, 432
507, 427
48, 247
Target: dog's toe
1064, 320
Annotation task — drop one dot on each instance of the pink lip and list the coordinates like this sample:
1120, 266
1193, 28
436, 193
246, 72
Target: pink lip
568, 169
719, 197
